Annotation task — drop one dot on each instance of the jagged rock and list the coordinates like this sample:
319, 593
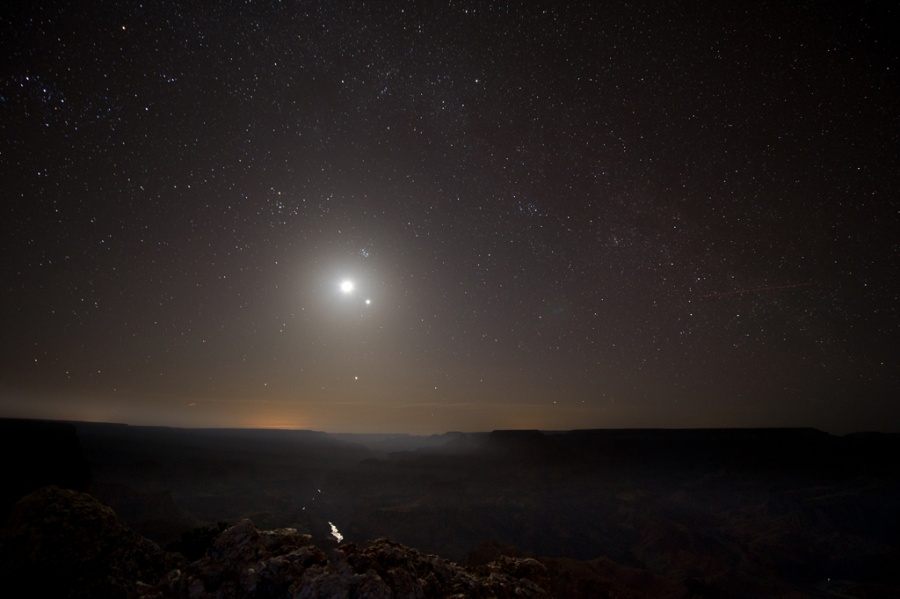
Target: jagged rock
67, 544
284, 564
63, 543
244, 561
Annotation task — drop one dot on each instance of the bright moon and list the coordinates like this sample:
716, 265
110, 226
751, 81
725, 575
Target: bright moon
346, 286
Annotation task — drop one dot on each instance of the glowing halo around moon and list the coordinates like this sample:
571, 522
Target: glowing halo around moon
348, 287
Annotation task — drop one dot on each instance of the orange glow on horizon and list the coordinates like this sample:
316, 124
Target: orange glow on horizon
273, 421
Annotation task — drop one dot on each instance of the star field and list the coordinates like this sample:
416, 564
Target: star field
420, 217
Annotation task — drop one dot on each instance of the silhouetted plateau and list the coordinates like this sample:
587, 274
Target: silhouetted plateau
634, 513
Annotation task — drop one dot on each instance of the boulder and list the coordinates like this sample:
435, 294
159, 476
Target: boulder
64, 543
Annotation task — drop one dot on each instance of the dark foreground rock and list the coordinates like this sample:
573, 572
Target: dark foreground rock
247, 562
62, 543
67, 544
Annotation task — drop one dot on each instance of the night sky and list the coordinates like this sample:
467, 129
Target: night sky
547, 215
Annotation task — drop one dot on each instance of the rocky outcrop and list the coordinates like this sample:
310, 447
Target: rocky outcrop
66, 544
62, 543
246, 562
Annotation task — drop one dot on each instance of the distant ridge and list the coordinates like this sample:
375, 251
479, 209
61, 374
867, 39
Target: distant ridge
524, 445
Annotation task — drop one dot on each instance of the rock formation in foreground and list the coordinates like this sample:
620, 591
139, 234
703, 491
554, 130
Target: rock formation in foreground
246, 562
67, 544
62, 543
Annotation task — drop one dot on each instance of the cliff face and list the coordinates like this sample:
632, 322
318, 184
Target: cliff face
66, 544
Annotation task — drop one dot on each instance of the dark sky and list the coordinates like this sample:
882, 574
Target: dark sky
640, 214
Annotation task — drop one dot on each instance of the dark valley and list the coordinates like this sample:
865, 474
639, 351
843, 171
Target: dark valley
593, 513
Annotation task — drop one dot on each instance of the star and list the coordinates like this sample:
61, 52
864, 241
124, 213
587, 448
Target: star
626, 238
